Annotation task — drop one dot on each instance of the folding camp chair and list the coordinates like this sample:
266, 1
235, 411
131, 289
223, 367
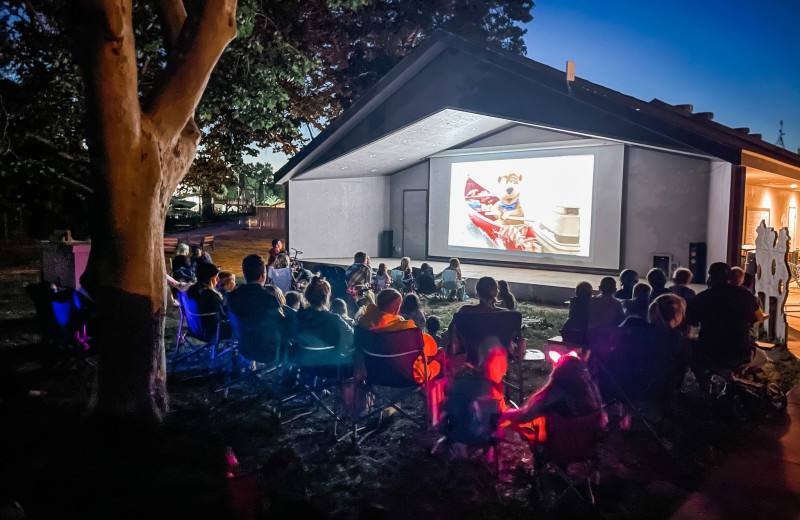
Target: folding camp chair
473, 330
426, 286
262, 345
319, 367
62, 316
565, 443
388, 360
203, 327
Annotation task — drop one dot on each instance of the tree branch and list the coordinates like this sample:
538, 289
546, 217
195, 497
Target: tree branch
173, 16
198, 49
112, 78
54, 149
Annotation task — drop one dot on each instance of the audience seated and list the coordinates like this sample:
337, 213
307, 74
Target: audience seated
574, 329
408, 277
682, 278
199, 256
570, 392
316, 322
280, 274
277, 246
383, 317
451, 280
410, 310
426, 269
506, 297
487, 297
432, 325
339, 306
294, 300
382, 279
628, 278
637, 306
725, 314
209, 301
252, 305
658, 283
359, 273
605, 315
182, 265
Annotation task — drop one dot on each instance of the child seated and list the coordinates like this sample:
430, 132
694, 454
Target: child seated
339, 306
432, 324
574, 330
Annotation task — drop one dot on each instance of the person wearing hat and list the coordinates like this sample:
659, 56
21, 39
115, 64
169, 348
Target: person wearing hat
209, 300
725, 313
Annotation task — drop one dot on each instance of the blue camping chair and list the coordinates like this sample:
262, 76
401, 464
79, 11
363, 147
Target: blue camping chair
196, 326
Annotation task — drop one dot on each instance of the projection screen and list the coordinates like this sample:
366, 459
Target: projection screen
552, 207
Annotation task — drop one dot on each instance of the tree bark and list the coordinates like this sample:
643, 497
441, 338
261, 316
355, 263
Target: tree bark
138, 158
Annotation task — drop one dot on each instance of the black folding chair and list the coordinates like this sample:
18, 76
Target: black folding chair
202, 327
472, 331
388, 360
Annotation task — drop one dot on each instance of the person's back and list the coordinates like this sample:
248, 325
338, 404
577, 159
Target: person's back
658, 283
638, 304
574, 329
628, 279
682, 278
605, 315
506, 297
725, 314
359, 273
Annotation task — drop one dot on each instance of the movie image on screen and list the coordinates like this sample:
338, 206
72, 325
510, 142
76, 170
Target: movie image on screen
534, 205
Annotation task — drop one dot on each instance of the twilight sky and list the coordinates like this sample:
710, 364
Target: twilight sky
738, 59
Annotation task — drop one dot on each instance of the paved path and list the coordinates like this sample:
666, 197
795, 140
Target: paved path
758, 477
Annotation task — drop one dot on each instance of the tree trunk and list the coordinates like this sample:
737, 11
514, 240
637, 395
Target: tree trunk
138, 157
207, 203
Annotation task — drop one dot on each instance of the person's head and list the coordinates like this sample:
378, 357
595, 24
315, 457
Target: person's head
389, 301
410, 304
668, 310
570, 374
360, 257
197, 251
276, 292
455, 263
425, 267
293, 299
656, 278
433, 325
486, 288
182, 249
628, 278
502, 286
608, 286
583, 290
405, 263
254, 269
318, 292
719, 273
641, 291
381, 269
339, 306
281, 261
749, 280
227, 281
276, 243
207, 274
737, 276
682, 276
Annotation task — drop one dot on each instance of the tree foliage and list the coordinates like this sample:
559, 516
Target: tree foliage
294, 66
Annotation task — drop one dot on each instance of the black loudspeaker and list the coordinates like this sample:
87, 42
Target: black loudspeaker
386, 244
697, 262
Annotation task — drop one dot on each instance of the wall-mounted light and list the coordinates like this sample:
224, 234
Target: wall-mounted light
793, 186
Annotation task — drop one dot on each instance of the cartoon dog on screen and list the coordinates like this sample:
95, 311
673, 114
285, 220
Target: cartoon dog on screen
508, 209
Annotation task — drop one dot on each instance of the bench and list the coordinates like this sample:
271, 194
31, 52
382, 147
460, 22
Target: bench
207, 240
170, 245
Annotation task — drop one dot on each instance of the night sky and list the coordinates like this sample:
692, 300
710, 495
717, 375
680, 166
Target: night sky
738, 59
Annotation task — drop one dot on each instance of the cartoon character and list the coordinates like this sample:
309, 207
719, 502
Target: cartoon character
508, 209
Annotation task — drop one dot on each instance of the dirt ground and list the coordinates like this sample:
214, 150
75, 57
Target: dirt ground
60, 462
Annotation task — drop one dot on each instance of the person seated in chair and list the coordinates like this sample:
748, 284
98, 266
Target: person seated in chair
209, 301
383, 317
181, 265
199, 256
574, 329
452, 274
570, 392
250, 302
681, 279
408, 277
410, 310
627, 281
280, 274
605, 315
638, 304
487, 290
317, 324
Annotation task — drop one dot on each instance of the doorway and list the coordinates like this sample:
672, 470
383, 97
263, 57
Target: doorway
415, 223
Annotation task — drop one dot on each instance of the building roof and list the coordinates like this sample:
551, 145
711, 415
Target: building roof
450, 90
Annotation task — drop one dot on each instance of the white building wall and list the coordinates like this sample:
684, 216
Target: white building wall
338, 217
719, 203
666, 206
